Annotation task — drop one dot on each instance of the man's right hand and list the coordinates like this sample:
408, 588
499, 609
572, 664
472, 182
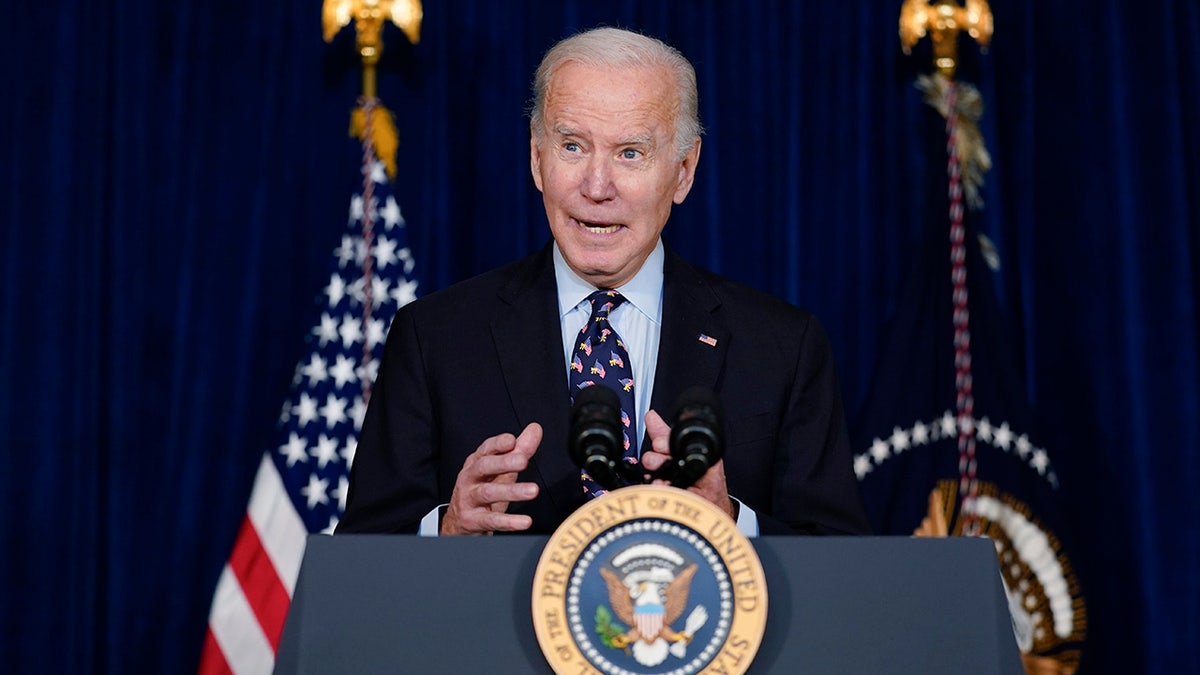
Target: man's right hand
488, 483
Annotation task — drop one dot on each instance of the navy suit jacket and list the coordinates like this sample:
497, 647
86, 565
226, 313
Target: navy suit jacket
485, 356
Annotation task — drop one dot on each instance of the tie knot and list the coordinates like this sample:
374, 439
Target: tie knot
605, 301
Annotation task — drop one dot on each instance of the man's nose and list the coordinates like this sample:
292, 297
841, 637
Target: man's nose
598, 184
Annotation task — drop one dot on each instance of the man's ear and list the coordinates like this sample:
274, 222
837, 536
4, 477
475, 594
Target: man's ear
535, 160
687, 172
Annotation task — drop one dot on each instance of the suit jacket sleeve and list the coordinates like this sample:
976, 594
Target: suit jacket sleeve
815, 490
393, 482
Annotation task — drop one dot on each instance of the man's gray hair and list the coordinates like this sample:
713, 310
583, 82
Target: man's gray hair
618, 48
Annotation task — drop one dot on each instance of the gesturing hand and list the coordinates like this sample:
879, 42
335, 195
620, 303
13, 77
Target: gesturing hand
711, 485
488, 483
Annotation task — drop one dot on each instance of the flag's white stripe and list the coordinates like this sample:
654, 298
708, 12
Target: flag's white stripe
279, 526
236, 629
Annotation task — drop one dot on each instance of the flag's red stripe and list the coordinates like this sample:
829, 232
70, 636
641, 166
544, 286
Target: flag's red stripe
212, 659
260, 582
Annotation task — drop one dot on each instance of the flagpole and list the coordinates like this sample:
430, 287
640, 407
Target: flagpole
943, 20
371, 122
303, 481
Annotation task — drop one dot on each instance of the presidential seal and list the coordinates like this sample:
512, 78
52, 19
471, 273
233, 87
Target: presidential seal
649, 579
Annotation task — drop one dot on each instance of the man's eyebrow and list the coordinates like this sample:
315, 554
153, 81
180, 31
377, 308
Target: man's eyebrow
643, 139
566, 131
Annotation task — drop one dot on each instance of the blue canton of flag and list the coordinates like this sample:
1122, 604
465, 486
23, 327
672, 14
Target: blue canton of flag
371, 277
301, 484
946, 442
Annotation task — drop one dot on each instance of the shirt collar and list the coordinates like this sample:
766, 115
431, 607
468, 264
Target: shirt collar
643, 291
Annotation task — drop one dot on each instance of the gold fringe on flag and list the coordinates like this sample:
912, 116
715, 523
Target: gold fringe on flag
383, 134
973, 155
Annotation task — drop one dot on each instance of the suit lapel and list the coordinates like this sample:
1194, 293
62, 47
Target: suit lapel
527, 338
693, 340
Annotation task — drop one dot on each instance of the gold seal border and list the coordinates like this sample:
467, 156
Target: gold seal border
576, 534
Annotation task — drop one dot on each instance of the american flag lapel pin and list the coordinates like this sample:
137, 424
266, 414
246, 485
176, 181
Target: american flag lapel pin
707, 339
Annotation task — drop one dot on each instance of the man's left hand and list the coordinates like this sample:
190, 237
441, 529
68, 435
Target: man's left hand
711, 485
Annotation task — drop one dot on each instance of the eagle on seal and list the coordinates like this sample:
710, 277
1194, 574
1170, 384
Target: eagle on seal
649, 606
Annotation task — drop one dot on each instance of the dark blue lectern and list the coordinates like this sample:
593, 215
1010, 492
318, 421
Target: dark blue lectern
403, 604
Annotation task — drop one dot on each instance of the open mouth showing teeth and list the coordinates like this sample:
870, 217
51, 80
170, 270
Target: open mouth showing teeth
599, 228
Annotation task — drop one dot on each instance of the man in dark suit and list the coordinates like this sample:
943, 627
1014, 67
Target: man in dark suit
466, 431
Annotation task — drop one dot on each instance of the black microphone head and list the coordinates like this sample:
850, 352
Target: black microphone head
697, 436
595, 442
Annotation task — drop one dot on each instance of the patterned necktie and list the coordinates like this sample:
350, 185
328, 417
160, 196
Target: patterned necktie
601, 359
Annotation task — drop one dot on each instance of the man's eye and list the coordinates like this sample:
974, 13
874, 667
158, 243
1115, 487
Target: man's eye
571, 147
630, 153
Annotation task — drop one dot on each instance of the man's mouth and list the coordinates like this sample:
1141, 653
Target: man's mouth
599, 228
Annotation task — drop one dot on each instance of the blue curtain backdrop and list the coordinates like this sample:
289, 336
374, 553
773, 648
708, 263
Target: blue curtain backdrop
174, 177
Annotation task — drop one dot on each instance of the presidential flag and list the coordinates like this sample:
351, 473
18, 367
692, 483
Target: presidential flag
945, 444
302, 480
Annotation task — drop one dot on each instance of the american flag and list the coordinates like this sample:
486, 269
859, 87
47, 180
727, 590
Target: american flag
302, 480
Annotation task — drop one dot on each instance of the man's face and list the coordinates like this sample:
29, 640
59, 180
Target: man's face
607, 166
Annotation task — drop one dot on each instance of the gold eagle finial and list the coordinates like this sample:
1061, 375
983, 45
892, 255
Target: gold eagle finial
406, 14
368, 17
943, 20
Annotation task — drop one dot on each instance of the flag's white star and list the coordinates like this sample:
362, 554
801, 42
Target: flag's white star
391, 213
327, 330
307, 410
920, 433
385, 252
375, 332
984, 430
351, 443
862, 466
368, 371
333, 523
370, 209
350, 330
1023, 446
949, 428
879, 450
345, 252
315, 370
379, 290
339, 493
967, 425
356, 208
336, 290
357, 412
355, 291
404, 292
326, 450
1040, 460
315, 490
343, 371
360, 251
1004, 436
409, 263
334, 410
295, 450
378, 174
899, 439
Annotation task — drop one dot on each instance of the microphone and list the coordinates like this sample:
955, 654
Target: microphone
697, 438
595, 442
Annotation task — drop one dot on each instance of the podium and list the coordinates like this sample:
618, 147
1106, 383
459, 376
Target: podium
406, 604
